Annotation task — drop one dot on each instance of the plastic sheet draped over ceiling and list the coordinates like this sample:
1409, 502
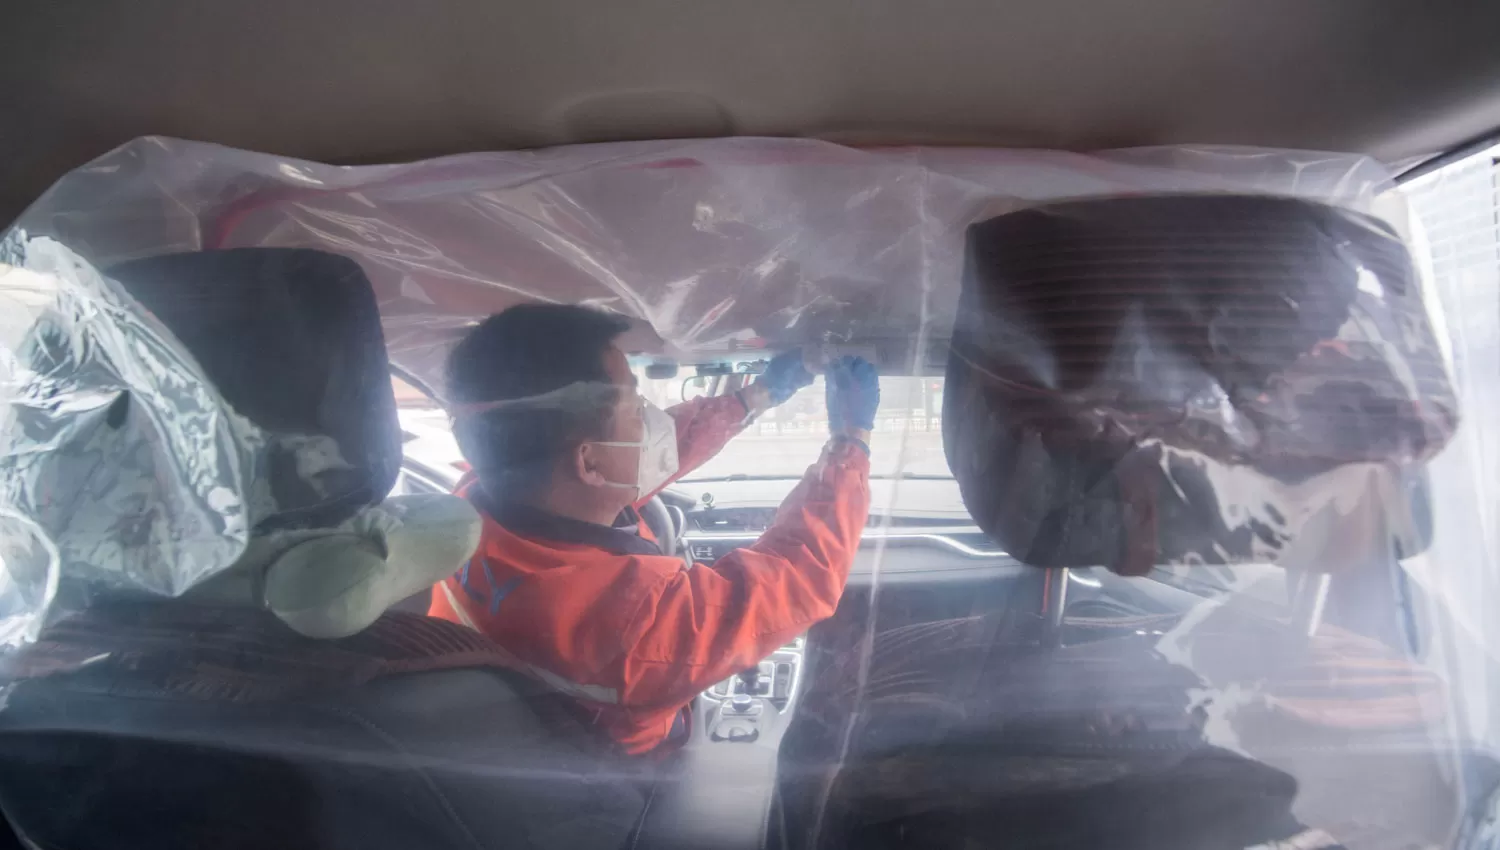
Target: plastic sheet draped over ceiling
716, 246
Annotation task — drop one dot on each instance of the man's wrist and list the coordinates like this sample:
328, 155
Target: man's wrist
857, 436
757, 399
853, 433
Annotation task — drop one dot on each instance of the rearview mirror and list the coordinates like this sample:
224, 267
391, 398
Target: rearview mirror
661, 370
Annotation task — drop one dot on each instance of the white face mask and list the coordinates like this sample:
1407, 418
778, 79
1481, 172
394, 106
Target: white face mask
658, 446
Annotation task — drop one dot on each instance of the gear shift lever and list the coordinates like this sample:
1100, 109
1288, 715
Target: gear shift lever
749, 680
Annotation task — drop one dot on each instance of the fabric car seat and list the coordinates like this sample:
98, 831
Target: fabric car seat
1147, 380
274, 704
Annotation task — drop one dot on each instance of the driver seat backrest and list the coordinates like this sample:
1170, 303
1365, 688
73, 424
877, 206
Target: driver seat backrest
187, 722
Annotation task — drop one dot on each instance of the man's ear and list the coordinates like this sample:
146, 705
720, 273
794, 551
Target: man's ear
584, 465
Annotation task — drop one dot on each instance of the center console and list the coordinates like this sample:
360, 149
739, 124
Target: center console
721, 786
769, 685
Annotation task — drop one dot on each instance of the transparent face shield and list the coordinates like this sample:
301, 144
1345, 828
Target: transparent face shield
656, 450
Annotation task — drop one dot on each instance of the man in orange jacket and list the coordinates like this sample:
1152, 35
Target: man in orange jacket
547, 412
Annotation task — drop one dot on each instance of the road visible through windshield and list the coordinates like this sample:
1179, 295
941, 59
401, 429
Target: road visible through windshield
907, 439
891, 453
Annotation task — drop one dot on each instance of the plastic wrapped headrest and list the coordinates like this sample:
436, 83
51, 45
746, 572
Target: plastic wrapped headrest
291, 339
1189, 379
144, 448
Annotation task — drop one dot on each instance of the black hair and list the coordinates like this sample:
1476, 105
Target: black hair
523, 352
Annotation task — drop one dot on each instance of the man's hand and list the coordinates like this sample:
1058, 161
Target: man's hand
853, 397
785, 374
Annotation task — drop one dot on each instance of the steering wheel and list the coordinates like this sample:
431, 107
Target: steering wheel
658, 518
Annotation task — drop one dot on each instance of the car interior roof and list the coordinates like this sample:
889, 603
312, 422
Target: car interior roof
351, 81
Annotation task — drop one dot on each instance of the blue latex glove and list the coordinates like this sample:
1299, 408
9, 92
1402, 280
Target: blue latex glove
784, 375
853, 394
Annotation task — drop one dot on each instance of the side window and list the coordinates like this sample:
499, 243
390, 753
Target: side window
1458, 208
409, 483
431, 461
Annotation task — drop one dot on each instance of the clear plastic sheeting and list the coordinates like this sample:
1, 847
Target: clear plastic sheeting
716, 246
1195, 379
1264, 627
142, 450
121, 466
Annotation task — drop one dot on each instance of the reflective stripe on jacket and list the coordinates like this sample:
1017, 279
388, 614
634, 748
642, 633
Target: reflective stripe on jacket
600, 614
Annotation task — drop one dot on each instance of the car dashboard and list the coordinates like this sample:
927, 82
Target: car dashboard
899, 549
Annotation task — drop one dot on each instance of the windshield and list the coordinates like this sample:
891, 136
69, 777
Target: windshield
907, 439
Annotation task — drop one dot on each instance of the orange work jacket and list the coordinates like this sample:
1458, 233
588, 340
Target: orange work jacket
599, 613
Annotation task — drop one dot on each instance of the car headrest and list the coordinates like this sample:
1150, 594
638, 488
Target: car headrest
227, 431
1189, 379
291, 339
